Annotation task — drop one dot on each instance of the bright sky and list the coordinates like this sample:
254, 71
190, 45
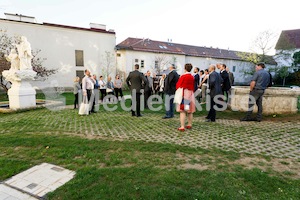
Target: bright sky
232, 24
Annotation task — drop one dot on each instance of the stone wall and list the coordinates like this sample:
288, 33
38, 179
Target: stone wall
276, 100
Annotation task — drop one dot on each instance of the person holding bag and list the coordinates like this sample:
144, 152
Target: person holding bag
187, 105
84, 107
87, 89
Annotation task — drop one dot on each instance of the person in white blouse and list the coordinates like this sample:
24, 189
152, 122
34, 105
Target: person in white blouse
102, 86
161, 86
87, 88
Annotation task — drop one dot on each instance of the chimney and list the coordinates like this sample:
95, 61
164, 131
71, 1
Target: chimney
98, 26
21, 18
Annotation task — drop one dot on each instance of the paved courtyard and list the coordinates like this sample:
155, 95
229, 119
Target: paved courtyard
278, 139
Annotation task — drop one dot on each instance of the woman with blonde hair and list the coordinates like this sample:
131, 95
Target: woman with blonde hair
77, 89
110, 88
187, 106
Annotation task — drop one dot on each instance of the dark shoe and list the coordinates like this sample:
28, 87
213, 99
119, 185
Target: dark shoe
166, 117
133, 115
93, 111
246, 119
255, 120
139, 115
209, 120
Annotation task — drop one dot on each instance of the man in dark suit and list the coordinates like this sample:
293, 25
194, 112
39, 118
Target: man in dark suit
226, 82
149, 89
231, 76
214, 83
135, 82
196, 78
169, 89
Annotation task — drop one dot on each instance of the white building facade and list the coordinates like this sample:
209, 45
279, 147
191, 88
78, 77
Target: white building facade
287, 45
69, 50
156, 56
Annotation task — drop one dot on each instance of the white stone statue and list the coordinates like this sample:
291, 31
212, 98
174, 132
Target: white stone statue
13, 58
25, 55
21, 94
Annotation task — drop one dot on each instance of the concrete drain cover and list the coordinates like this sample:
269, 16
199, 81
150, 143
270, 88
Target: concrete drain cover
38, 180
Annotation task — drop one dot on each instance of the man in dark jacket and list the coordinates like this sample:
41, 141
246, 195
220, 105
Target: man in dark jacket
214, 83
149, 89
226, 82
231, 76
259, 83
135, 82
169, 89
196, 78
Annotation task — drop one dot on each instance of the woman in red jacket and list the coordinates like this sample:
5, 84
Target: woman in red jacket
187, 106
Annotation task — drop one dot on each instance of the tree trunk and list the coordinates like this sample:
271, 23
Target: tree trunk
283, 82
2, 84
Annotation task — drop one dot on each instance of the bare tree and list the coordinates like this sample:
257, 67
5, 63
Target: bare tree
161, 61
108, 63
173, 60
260, 48
263, 44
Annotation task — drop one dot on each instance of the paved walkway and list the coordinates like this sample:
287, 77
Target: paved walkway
278, 139
268, 138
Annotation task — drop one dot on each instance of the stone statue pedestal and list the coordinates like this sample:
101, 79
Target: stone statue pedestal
21, 95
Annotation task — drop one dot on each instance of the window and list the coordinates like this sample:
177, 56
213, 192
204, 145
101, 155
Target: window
163, 47
233, 68
142, 63
156, 64
80, 73
79, 58
136, 60
118, 55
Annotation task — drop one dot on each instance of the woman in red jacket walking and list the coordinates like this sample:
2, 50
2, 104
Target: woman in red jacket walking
187, 106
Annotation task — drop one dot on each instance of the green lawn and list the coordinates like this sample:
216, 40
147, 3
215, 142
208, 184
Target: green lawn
108, 168
136, 170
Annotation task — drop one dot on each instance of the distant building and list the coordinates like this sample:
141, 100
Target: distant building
287, 45
156, 56
69, 49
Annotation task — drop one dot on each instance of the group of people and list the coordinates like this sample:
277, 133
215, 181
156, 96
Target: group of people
208, 85
90, 85
214, 86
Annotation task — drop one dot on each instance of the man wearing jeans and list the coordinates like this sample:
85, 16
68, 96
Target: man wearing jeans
169, 89
259, 83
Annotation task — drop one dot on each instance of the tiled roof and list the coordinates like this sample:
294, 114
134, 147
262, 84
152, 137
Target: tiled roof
148, 45
289, 39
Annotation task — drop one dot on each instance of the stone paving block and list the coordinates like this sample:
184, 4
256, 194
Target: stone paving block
41, 179
7, 193
267, 137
